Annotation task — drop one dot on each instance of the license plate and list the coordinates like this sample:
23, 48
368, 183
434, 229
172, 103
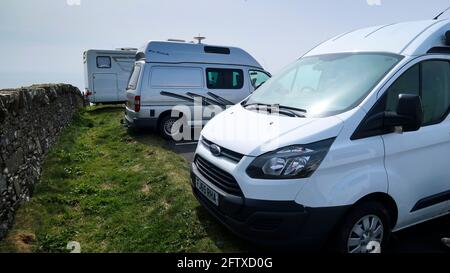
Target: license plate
209, 193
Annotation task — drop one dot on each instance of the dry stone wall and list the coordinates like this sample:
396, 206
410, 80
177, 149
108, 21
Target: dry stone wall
31, 119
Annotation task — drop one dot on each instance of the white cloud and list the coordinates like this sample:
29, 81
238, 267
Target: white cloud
374, 2
73, 2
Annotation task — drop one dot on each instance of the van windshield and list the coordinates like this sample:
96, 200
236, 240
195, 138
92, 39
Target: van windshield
325, 85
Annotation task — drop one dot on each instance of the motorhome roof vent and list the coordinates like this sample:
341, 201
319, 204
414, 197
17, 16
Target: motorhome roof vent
176, 40
140, 56
442, 49
439, 50
127, 48
447, 38
217, 50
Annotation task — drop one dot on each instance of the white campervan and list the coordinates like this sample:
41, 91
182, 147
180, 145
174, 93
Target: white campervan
106, 74
168, 74
349, 143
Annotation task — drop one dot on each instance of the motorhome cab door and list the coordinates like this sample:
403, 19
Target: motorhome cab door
257, 78
417, 163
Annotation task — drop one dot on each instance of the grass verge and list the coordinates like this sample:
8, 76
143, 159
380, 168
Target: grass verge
111, 193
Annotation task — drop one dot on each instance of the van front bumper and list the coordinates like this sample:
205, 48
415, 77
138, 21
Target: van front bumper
273, 223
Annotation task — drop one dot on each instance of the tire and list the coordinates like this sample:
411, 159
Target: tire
353, 235
165, 123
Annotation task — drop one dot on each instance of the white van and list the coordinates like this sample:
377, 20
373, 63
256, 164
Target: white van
349, 143
168, 74
106, 74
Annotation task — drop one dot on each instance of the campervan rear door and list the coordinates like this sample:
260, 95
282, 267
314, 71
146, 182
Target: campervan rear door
125, 66
105, 86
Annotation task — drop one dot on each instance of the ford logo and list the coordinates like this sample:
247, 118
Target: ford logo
215, 150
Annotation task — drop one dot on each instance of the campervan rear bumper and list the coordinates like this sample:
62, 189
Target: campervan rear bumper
132, 120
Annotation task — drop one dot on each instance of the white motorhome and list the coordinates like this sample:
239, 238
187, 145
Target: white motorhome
357, 143
167, 74
106, 74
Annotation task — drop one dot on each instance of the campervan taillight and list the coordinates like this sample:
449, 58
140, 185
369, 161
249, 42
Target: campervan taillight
137, 103
87, 93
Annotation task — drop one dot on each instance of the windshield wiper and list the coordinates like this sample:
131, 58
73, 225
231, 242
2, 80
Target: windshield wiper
286, 110
292, 108
256, 104
291, 113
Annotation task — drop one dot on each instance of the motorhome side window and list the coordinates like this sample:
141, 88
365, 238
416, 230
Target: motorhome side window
219, 78
430, 80
258, 77
176, 77
103, 62
132, 83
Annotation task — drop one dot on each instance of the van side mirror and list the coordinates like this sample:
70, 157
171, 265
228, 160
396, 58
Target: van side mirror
409, 114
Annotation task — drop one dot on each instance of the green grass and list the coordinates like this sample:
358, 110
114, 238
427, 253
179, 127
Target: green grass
112, 192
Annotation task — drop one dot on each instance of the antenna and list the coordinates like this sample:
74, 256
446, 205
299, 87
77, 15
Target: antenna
199, 38
440, 14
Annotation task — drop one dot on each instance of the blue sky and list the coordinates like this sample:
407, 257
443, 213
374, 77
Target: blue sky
43, 41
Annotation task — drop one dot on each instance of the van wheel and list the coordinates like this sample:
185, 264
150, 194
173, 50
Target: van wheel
166, 127
364, 230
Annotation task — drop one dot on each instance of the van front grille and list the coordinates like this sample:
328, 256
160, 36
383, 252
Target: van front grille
233, 156
218, 177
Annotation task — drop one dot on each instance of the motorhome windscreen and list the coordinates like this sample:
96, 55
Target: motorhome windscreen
326, 85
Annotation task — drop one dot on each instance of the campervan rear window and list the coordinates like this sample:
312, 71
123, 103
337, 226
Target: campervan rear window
174, 77
132, 83
219, 78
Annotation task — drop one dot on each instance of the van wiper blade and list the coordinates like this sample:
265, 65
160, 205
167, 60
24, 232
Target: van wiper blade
207, 100
285, 110
292, 108
219, 98
291, 113
177, 96
257, 104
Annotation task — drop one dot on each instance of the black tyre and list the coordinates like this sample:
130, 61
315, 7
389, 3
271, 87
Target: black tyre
165, 127
365, 229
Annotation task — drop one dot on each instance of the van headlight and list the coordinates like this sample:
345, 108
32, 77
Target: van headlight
292, 162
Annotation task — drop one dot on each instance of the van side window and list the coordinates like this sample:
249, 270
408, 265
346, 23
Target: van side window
408, 83
176, 77
435, 90
430, 80
219, 78
132, 83
103, 62
258, 77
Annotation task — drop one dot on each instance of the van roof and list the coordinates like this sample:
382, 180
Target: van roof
112, 51
180, 52
408, 38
